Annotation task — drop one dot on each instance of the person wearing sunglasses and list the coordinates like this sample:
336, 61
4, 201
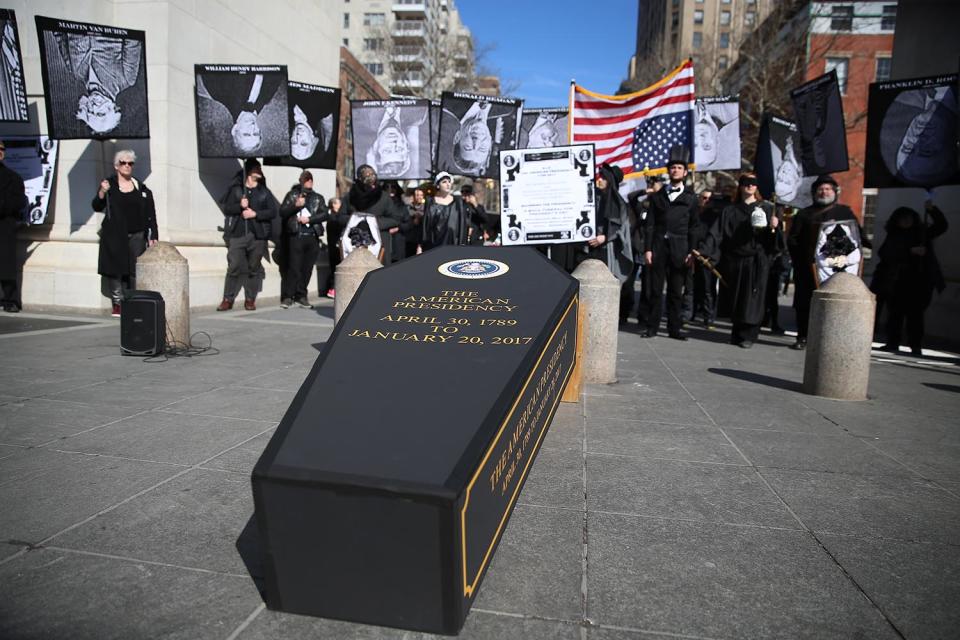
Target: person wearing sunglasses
742, 241
129, 226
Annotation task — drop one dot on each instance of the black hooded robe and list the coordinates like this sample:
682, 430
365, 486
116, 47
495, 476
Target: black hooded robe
742, 254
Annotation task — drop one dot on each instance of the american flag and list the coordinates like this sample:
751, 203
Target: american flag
635, 131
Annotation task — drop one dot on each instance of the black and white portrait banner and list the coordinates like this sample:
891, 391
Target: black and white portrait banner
716, 133
823, 134
242, 111
547, 195
392, 136
542, 128
34, 158
777, 164
474, 128
314, 128
912, 133
94, 80
13, 91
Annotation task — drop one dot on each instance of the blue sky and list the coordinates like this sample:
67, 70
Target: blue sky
541, 46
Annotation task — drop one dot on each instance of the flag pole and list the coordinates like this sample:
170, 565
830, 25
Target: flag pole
573, 85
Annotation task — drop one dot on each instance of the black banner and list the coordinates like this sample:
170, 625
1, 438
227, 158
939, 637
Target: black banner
315, 127
13, 92
242, 111
777, 167
474, 128
94, 80
912, 133
823, 135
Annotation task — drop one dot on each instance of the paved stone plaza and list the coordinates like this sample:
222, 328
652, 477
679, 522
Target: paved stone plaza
702, 496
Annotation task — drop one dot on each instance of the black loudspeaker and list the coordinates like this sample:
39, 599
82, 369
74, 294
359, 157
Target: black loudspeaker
143, 324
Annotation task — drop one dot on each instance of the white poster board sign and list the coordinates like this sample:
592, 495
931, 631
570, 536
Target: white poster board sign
547, 195
362, 231
838, 249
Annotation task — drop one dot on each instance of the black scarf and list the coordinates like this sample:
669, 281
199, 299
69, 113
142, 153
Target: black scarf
362, 197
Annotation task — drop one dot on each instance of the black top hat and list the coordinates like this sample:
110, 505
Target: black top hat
679, 154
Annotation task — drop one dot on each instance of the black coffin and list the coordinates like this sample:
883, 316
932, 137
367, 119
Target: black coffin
384, 492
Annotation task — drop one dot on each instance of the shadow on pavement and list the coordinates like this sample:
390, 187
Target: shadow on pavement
248, 546
319, 346
758, 378
942, 387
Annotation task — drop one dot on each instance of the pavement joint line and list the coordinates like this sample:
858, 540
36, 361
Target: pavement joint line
866, 538
41, 332
210, 415
115, 457
155, 563
737, 525
142, 492
112, 422
585, 551
328, 323
640, 457
823, 547
702, 425
260, 608
873, 446
665, 634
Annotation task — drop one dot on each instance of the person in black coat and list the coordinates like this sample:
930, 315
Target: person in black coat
367, 196
249, 209
303, 213
12, 201
909, 273
742, 241
476, 216
398, 235
801, 242
670, 232
129, 226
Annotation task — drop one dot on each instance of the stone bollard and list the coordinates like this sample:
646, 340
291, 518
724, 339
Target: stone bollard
837, 363
163, 269
600, 300
349, 275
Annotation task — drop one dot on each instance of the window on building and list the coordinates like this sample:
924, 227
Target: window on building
724, 39
884, 66
376, 68
374, 19
673, 39
724, 17
751, 2
722, 62
346, 21
697, 39
841, 65
841, 18
724, 1
750, 18
698, 16
346, 42
372, 44
699, 1
675, 19
888, 21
